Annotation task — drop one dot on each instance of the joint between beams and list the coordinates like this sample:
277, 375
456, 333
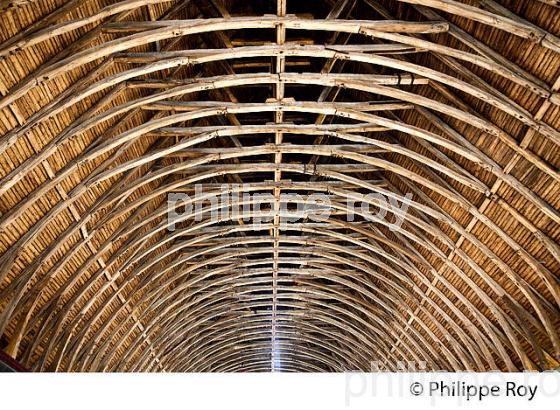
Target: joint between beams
540, 39
307, 170
554, 98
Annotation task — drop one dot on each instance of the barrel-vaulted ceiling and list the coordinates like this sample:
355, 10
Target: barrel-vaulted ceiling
109, 106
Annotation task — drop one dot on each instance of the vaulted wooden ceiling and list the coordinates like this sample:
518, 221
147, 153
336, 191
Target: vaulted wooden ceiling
108, 106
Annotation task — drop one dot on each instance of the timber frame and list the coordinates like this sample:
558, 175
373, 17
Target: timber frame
109, 106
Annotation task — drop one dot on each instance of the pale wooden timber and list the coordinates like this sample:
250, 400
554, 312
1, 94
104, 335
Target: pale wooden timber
513, 26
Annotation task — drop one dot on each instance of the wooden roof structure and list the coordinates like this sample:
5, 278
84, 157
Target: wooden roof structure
108, 106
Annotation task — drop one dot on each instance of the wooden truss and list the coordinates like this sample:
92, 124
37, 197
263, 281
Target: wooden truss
107, 107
